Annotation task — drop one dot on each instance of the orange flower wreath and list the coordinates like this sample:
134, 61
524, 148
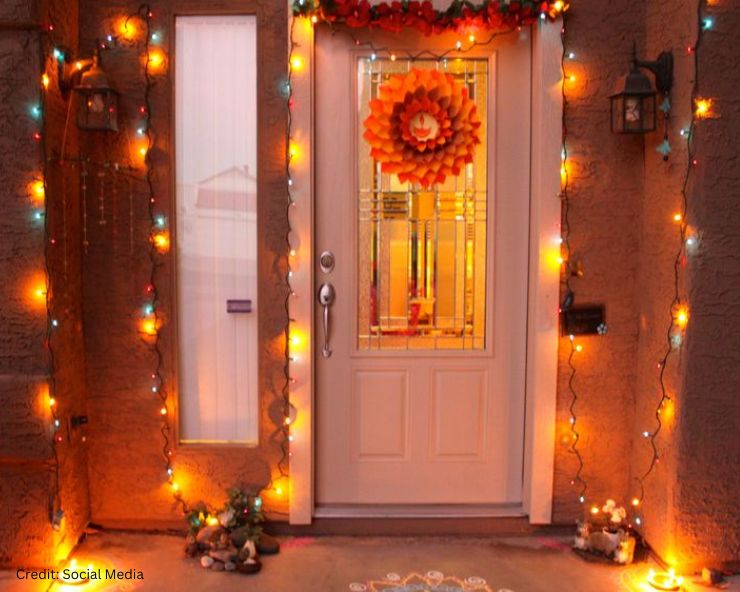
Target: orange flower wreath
423, 127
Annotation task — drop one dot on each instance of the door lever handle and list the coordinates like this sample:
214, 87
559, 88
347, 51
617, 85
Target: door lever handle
327, 296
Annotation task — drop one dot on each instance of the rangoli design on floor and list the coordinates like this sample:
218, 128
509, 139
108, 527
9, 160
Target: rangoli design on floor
432, 581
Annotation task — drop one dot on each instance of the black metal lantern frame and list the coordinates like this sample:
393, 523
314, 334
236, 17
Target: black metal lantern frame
97, 104
97, 101
633, 104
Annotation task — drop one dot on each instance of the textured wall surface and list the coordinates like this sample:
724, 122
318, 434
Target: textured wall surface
125, 442
27, 478
690, 506
606, 190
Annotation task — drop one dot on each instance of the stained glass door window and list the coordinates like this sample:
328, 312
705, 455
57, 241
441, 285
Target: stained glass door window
422, 251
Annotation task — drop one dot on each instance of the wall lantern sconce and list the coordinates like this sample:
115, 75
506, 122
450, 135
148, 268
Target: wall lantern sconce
633, 103
97, 101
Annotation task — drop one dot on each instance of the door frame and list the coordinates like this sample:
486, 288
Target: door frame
544, 275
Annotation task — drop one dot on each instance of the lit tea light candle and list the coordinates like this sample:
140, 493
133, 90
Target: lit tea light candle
664, 580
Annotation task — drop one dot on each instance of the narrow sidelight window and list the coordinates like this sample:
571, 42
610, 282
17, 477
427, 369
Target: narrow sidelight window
216, 172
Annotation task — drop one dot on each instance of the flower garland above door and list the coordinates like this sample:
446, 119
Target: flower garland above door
461, 16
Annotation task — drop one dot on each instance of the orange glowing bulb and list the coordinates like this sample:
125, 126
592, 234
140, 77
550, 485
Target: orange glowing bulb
314, 19
703, 107
78, 65
156, 58
293, 150
38, 289
163, 411
52, 401
594, 510
579, 348
142, 151
471, 38
677, 217
682, 317
161, 241
296, 62
559, 5
128, 29
212, 521
635, 501
175, 486
572, 78
37, 190
45, 81
149, 326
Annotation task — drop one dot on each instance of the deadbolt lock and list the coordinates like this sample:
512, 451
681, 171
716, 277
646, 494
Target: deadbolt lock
326, 261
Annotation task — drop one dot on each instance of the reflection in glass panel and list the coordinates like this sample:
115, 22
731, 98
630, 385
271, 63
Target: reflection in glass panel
216, 174
422, 252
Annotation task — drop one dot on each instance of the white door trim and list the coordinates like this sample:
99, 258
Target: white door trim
544, 277
544, 274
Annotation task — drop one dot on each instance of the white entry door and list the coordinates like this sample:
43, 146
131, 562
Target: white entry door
421, 402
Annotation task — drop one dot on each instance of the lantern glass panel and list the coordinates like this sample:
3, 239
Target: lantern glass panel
633, 113
97, 109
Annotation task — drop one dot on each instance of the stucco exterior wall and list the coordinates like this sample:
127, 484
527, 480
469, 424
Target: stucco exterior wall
606, 190
688, 509
26, 453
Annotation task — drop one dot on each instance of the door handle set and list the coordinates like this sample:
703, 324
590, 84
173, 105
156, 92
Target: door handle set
327, 295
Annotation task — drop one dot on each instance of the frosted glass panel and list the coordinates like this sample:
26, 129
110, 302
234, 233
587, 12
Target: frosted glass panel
216, 146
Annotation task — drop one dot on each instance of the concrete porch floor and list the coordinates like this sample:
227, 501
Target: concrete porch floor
353, 564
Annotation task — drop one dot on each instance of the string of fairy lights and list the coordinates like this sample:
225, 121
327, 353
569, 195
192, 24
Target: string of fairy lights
56, 512
159, 246
701, 108
565, 261
40, 289
153, 320
289, 412
295, 63
687, 244
314, 15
